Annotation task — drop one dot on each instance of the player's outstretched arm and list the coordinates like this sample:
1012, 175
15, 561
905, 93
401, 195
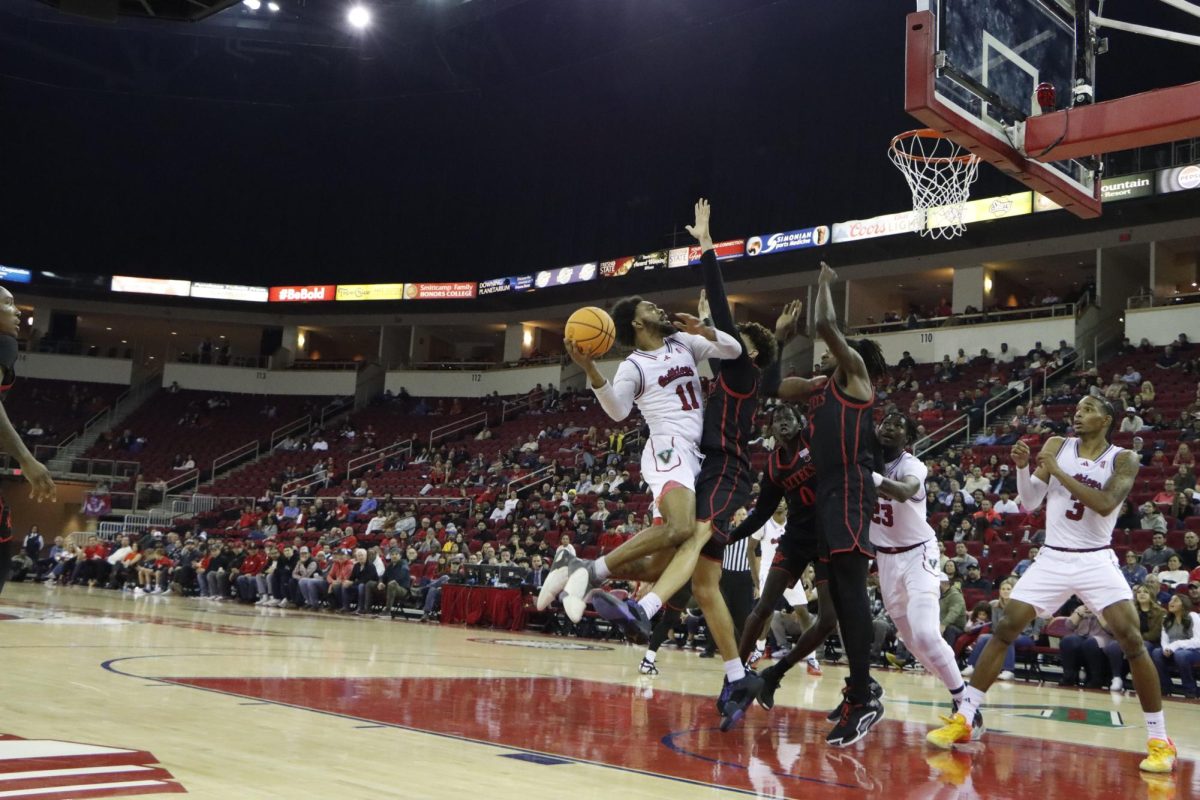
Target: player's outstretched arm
858, 380
768, 500
41, 484
1108, 499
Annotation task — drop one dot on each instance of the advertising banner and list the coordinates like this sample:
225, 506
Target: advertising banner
513, 283
15, 274
230, 291
1179, 179
854, 230
565, 275
1042, 203
623, 266
1127, 187
370, 291
162, 286
787, 240
683, 256
985, 209
460, 290
302, 294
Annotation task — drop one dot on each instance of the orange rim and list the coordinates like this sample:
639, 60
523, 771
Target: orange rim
928, 133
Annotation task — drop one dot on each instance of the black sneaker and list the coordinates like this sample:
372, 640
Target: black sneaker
771, 678
977, 726
854, 723
741, 694
627, 615
876, 692
723, 697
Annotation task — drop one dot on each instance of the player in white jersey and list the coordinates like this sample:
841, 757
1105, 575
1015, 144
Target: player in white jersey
907, 556
662, 378
1084, 480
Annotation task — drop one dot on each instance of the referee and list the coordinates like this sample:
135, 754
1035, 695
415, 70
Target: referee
739, 586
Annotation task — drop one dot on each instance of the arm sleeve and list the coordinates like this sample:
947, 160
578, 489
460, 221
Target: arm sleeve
739, 372
725, 347
616, 397
768, 501
1031, 491
772, 376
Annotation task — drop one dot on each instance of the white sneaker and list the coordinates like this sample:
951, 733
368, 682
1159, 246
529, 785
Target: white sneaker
262, 601
165, 592
272, 602
1006, 675
556, 579
138, 591
1117, 685
576, 590
755, 657
968, 672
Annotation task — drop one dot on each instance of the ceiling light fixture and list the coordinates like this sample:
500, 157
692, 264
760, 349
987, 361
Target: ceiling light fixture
359, 16
253, 5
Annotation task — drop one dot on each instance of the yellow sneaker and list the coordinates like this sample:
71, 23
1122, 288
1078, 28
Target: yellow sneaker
1159, 787
955, 731
1161, 756
953, 768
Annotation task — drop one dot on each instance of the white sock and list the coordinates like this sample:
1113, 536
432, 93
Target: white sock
812, 659
972, 699
650, 656
957, 694
651, 604
761, 644
601, 570
734, 671
1156, 725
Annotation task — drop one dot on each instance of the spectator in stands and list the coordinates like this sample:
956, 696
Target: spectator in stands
1084, 648
1157, 554
601, 513
1166, 497
124, 566
319, 444
341, 589
397, 580
976, 482
1006, 505
1168, 359
1172, 574
1132, 569
962, 559
953, 609
367, 577
313, 588
1161, 593
1138, 446
1132, 423
966, 530
1180, 646
975, 581
1153, 520
906, 361
1132, 377
1150, 617
246, 581
1190, 554
1184, 457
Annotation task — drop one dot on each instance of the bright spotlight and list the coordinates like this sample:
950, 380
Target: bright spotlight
273, 6
359, 16
253, 5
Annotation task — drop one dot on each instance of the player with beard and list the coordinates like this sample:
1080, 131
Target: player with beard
1084, 479
42, 486
907, 556
845, 453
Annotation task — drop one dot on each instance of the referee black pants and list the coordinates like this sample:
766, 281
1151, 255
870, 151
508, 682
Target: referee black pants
737, 587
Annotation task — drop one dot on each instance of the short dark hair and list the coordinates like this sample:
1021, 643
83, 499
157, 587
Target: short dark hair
763, 341
622, 315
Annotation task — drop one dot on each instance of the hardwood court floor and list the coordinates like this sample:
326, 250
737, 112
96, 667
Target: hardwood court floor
168, 695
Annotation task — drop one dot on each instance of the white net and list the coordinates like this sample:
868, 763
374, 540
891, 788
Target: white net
939, 173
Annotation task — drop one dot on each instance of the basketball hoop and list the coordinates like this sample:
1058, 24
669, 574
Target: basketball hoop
939, 173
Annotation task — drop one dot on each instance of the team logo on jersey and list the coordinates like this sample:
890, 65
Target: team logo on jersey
674, 374
665, 455
1086, 481
933, 564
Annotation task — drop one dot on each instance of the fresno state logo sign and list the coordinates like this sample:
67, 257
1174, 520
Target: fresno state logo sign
302, 294
48, 768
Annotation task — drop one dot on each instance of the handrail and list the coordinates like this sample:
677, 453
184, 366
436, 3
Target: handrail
531, 478
475, 420
284, 431
375, 456
1151, 300
955, 320
192, 476
335, 407
507, 407
958, 426
236, 455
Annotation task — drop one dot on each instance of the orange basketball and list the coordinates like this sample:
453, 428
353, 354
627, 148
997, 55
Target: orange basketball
592, 330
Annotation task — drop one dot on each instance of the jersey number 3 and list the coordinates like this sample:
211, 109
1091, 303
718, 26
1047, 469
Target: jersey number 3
1076, 512
883, 515
684, 399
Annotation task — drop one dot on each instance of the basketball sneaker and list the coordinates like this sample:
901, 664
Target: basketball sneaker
952, 767
955, 731
575, 590
977, 726
771, 678
755, 657
1160, 756
876, 692
648, 667
855, 721
556, 579
814, 667
627, 615
741, 694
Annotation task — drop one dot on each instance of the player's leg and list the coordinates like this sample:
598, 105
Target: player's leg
742, 686
777, 582
808, 642
861, 709
910, 588
678, 507
670, 619
1121, 618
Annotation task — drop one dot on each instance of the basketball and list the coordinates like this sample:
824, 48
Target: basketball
592, 330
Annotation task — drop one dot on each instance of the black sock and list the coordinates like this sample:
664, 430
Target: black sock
848, 584
669, 620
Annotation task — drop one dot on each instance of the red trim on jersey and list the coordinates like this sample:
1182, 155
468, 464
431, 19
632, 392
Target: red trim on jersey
861, 483
668, 486
739, 395
845, 470
846, 400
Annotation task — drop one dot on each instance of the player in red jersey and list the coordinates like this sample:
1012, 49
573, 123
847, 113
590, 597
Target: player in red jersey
42, 486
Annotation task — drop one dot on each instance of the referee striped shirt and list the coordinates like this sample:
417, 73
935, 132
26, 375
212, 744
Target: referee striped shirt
736, 559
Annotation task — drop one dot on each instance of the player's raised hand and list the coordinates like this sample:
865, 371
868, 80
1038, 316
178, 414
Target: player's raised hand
41, 485
702, 309
578, 356
1047, 461
1020, 454
789, 321
699, 228
688, 324
827, 274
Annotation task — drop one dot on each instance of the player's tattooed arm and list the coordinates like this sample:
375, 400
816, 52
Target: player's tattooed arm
850, 363
1108, 499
